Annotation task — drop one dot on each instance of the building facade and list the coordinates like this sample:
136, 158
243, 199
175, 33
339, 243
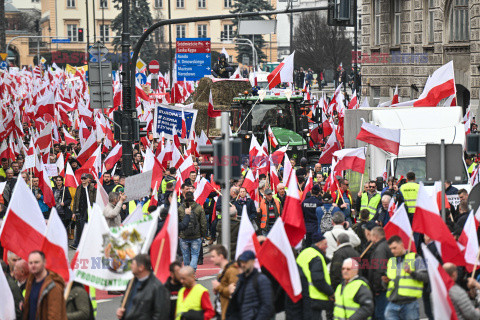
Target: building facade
404, 41
67, 19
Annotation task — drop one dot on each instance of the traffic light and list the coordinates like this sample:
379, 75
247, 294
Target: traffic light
80, 34
117, 119
342, 13
137, 131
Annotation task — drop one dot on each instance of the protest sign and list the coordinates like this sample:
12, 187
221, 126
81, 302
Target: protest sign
51, 169
138, 186
29, 162
167, 117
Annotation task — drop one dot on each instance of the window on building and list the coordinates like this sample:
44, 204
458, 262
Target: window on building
202, 30
431, 20
202, 4
72, 32
158, 3
180, 3
397, 13
159, 35
377, 11
181, 31
104, 4
227, 33
70, 3
376, 95
227, 3
459, 25
105, 32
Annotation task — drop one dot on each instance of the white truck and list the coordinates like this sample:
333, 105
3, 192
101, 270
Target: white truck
419, 126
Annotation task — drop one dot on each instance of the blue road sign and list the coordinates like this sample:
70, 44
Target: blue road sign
3, 65
194, 59
141, 78
192, 73
61, 41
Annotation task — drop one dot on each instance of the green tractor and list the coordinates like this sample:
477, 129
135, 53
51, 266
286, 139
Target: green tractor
286, 117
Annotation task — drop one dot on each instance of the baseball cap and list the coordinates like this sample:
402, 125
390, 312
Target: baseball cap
317, 237
268, 191
246, 256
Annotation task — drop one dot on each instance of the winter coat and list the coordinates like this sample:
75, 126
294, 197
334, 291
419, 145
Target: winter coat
151, 302
92, 193
64, 212
462, 303
344, 251
309, 207
197, 210
228, 276
381, 253
252, 299
51, 304
251, 210
79, 306
234, 228
332, 236
112, 214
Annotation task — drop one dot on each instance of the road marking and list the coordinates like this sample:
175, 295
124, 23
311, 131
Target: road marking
106, 300
206, 278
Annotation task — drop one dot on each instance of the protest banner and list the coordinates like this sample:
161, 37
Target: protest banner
167, 117
138, 186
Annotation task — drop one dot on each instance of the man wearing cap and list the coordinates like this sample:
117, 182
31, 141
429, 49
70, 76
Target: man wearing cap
313, 263
270, 210
84, 197
252, 297
309, 208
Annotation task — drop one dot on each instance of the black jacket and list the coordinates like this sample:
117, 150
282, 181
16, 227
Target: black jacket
251, 210
344, 251
151, 302
252, 299
64, 212
234, 228
378, 265
309, 207
109, 187
318, 280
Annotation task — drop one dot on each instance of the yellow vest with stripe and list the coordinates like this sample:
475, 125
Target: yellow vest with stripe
409, 191
407, 286
93, 299
118, 186
303, 260
345, 307
472, 167
192, 302
371, 205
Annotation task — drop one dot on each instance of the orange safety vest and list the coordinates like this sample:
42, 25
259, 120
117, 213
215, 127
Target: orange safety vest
263, 209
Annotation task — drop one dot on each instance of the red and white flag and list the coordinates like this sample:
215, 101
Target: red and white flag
293, 214
88, 148
204, 188
287, 170
70, 180
353, 159
353, 104
61, 165
308, 186
247, 238
331, 146
395, 96
163, 250
113, 157
8, 303
427, 220
440, 85
277, 257
400, 225
383, 138
44, 140
441, 283
274, 180
282, 73
186, 167
44, 184
46, 105
184, 126
469, 239
271, 138
250, 183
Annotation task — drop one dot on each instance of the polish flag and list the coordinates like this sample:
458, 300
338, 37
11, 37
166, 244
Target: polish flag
177, 158
113, 157
88, 148
271, 138
203, 139
278, 155
440, 85
400, 225
469, 240
101, 197
353, 159
437, 187
277, 257
330, 147
265, 145
8, 303
140, 93
287, 170
385, 139
186, 167
166, 154
254, 150
250, 183
427, 220
395, 96
440, 283
204, 188
247, 238
44, 184
163, 250
61, 165
392, 207
308, 186
44, 139
152, 163
68, 137
274, 180
184, 126
46, 105
23, 217
176, 139
55, 246
467, 126
154, 197
353, 104
293, 214
70, 180
282, 73
212, 113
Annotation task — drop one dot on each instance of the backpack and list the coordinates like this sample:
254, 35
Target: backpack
326, 224
193, 228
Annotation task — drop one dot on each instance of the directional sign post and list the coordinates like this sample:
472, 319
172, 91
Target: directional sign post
100, 77
61, 41
193, 58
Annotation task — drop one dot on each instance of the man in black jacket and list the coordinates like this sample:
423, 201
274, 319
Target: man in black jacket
344, 251
378, 268
221, 69
309, 207
63, 199
252, 297
148, 298
108, 183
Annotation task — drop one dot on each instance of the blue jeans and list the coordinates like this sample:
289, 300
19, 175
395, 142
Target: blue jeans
380, 305
409, 311
190, 251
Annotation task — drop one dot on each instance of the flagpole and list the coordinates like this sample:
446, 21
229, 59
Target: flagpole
68, 289
127, 293
476, 264
410, 242
157, 262
366, 249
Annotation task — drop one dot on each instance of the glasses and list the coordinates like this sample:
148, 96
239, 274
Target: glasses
372, 187
83, 178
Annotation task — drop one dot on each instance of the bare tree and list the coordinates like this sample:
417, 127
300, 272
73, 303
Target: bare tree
3, 26
319, 46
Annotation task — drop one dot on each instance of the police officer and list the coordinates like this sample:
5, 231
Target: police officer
370, 199
309, 207
313, 263
406, 274
409, 191
353, 298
